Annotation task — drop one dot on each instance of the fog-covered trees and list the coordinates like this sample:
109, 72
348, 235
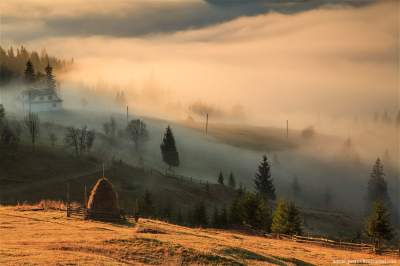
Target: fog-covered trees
232, 181
80, 139
32, 124
53, 139
137, 133
13, 64
286, 219
29, 73
296, 189
220, 178
50, 80
110, 128
169, 152
378, 224
263, 180
377, 187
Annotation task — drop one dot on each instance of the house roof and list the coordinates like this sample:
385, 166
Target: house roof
34, 93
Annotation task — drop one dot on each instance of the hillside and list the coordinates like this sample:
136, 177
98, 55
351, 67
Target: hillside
43, 173
29, 175
49, 237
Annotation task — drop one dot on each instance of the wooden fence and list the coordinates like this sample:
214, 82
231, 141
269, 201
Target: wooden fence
99, 215
363, 247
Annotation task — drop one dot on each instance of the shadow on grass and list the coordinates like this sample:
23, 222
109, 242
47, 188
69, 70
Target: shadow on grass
244, 254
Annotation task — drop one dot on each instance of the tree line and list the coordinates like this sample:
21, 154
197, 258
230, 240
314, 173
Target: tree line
14, 62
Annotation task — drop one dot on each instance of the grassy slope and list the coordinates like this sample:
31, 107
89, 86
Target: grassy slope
43, 173
251, 137
52, 238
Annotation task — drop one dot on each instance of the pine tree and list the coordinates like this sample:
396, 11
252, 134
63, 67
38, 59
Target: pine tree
169, 152
232, 181
256, 212
296, 189
378, 224
2, 114
236, 212
29, 73
51, 83
377, 187
200, 214
286, 219
221, 178
263, 180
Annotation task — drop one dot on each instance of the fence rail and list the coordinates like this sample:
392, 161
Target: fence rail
340, 244
87, 214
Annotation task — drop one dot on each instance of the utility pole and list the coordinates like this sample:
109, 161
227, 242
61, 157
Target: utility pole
85, 198
68, 210
127, 115
206, 123
287, 129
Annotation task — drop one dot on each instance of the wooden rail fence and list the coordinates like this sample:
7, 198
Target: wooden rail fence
363, 247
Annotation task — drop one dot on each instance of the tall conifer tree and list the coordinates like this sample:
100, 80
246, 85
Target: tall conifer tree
232, 181
378, 224
169, 152
377, 187
221, 178
29, 73
263, 180
51, 83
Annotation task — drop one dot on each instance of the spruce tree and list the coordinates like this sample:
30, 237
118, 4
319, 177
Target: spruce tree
263, 180
286, 219
200, 214
236, 211
51, 83
169, 152
29, 73
232, 181
221, 178
377, 187
378, 224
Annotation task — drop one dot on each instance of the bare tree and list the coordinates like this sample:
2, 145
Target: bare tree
137, 132
72, 139
81, 139
32, 124
53, 139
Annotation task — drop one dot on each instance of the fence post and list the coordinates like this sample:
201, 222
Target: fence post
68, 206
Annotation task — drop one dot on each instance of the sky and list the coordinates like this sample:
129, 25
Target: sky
271, 58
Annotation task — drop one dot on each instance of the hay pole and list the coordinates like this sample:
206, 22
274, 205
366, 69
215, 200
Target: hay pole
68, 205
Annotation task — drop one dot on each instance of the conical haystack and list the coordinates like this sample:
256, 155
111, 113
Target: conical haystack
103, 201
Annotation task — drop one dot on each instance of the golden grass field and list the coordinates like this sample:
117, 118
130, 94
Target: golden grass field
31, 237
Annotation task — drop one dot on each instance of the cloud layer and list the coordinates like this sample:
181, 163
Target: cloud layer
339, 59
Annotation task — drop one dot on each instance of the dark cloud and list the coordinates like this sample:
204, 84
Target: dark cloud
153, 17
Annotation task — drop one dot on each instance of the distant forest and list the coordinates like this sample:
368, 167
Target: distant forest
13, 63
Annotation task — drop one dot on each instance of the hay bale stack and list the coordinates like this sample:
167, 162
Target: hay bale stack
103, 201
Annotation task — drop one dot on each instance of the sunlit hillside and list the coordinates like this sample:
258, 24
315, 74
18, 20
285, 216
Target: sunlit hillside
49, 237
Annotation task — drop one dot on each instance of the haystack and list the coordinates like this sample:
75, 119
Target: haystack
103, 201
